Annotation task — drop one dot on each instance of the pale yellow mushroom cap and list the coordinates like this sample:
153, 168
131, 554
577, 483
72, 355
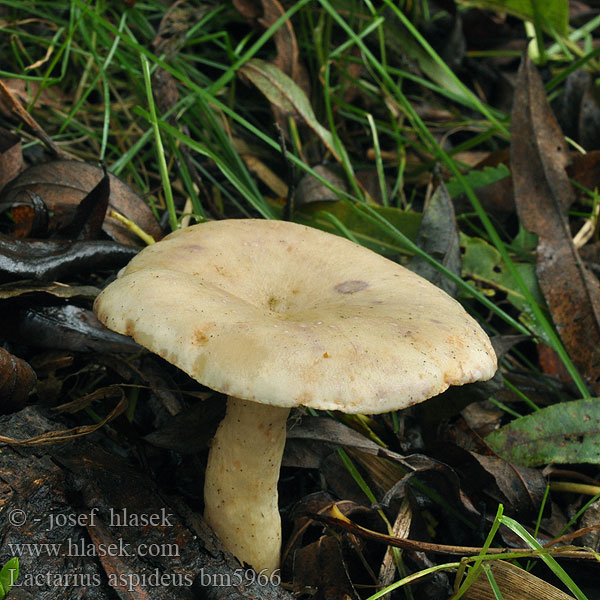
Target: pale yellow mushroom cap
287, 315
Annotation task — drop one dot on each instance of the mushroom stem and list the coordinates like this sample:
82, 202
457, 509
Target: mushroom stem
240, 490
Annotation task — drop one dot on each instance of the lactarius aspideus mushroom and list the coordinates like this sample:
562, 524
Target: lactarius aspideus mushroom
277, 315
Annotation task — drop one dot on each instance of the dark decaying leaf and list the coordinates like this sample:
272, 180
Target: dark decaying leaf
591, 519
65, 327
577, 109
309, 440
481, 418
438, 237
28, 91
192, 429
47, 260
17, 379
543, 195
168, 394
551, 363
304, 557
174, 26
310, 189
563, 433
490, 479
171, 36
585, 169
164, 90
519, 489
86, 222
320, 569
63, 184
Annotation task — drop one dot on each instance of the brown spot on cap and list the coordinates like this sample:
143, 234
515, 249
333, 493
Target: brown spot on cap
129, 327
199, 337
351, 286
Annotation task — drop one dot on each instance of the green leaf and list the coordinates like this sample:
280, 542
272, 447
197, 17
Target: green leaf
8, 575
283, 92
563, 433
553, 12
483, 262
478, 178
363, 230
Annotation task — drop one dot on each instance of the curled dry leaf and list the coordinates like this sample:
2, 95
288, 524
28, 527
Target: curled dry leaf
59, 290
284, 94
543, 195
63, 184
17, 379
86, 222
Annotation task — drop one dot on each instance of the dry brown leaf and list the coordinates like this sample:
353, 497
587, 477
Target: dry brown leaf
11, 106
401, 529
543, 195
27, 90
514, 584
11, 156
287, 57
287, 46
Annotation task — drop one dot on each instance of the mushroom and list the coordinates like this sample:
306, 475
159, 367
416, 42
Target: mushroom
277, 315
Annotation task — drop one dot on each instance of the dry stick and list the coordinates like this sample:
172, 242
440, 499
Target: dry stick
53, 437
344, 523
